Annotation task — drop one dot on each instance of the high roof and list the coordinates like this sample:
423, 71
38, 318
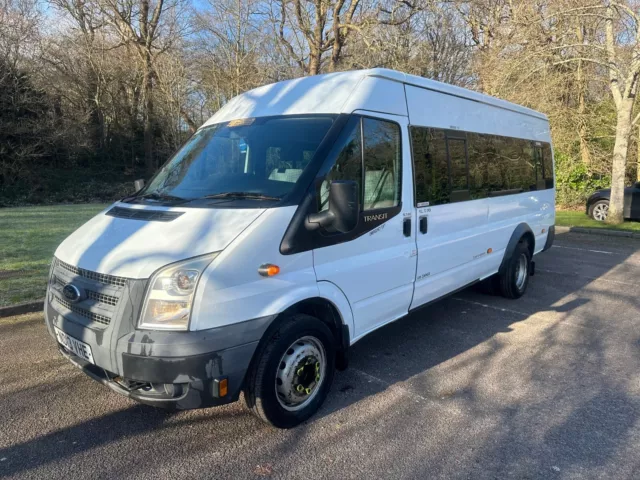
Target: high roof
448, 89
338, 93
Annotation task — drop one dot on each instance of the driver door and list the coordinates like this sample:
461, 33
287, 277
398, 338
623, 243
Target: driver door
374, 265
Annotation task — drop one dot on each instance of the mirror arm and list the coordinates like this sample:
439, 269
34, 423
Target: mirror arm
321, 219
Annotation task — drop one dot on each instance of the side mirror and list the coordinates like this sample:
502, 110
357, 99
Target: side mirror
138, 184
344, 209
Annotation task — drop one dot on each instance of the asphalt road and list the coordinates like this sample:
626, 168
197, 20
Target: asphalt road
474, 386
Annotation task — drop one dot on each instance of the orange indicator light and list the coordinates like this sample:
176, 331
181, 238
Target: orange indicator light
223, 387
490, 250
268, 270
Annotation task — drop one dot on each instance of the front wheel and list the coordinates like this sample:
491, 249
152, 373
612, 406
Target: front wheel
600, 210
292, 373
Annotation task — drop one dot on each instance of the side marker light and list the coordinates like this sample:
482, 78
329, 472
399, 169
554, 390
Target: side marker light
268, 270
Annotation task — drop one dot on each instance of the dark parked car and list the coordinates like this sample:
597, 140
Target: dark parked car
598, 203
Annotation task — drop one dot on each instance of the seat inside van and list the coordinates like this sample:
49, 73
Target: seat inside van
379, 189
290, 175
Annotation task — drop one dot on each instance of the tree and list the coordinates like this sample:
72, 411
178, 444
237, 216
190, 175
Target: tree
314, 34
151, 28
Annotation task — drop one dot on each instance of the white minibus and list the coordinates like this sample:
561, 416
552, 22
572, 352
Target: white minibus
301, 217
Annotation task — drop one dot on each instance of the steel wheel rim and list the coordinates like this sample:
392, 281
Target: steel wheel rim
521, 271
600, 212
301, 373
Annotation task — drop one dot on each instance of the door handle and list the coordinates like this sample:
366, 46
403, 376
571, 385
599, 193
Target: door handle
424, 225
406, 227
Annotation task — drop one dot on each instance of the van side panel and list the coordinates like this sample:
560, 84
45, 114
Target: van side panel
433, 109
231, 289
466, 240
378, 95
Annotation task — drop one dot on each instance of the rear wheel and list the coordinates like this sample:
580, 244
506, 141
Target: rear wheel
600, 210
513, 281
292, 373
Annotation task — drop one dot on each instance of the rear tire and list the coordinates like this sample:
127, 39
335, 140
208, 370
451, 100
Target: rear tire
292, 372
599, 210
513, 281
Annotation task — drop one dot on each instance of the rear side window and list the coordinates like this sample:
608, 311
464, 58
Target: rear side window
454, 166
371, 155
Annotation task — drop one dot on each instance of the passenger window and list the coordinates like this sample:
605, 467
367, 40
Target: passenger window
458, 158
547, 163
450, 169
431, 169
382, 164
348, 166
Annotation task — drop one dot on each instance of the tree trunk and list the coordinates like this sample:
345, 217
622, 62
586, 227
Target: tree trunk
147, 83
582, 123
620, 150
314, 61
582, 87
638, 156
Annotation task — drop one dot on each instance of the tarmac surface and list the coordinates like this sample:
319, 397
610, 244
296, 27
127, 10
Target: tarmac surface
474, 386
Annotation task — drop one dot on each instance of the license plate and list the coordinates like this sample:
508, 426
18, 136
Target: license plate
74, 345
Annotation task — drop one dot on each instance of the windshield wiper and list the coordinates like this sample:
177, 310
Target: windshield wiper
248, 195
162, 196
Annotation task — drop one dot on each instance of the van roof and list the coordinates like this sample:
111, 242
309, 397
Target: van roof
332, 92
434, 85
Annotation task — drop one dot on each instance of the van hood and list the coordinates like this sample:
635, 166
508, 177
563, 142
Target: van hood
135, 248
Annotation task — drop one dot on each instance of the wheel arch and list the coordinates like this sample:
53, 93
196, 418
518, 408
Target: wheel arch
330, 311
521, 233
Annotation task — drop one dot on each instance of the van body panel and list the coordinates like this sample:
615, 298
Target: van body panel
378, 95
135, 249
231, 289
435, 109
317, 94
376, 271
333, 293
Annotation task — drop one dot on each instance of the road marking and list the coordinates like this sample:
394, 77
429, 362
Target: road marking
491, 306
388, 385
574, 274
584, 249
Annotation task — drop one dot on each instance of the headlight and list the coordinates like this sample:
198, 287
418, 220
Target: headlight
167, 305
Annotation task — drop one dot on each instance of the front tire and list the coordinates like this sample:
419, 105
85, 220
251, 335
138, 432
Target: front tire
513, 281
599, 211
292, 372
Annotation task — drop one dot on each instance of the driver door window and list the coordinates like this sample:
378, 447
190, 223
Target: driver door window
371, 156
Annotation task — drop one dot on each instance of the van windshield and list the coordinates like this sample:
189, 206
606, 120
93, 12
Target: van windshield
253, 158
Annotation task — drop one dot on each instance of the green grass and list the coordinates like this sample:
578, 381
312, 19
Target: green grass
580, 219
28, 238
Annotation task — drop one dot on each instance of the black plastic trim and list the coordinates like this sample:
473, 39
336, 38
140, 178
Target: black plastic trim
517, 234
551, 236
143, 214
446, 295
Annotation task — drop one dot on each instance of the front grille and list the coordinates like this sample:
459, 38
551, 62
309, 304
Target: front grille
94, 317
102, 293
102, 298
139, 214
98, 277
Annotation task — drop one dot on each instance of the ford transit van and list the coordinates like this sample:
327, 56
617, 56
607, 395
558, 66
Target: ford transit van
301, 217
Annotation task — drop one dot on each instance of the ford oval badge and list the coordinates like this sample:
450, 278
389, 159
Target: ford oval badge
71, 293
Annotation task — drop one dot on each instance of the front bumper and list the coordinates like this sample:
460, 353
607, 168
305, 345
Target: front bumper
176, 370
